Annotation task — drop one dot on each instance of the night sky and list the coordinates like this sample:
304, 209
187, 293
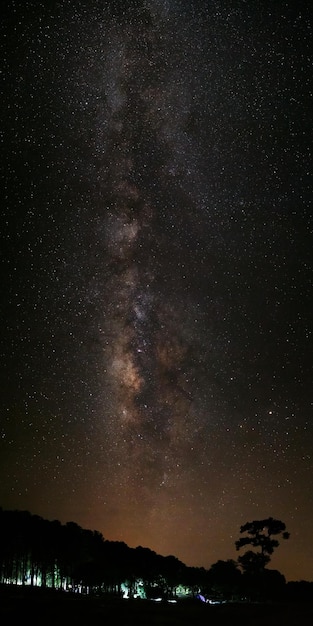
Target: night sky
156, 271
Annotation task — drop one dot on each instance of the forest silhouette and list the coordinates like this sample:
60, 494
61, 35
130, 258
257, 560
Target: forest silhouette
36, 552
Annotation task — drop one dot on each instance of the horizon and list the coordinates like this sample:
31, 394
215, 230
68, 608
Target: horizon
113, 540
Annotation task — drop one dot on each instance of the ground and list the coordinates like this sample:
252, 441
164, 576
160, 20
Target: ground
59, 609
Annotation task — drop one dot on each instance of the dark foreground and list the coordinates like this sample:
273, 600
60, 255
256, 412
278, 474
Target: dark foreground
38, 606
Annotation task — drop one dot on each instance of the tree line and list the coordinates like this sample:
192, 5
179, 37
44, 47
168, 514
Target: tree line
42, 553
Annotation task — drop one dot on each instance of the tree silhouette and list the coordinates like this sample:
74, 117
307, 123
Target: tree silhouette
260, 534
224, 579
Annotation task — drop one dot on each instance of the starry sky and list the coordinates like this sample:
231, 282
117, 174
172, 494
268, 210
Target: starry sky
156, 271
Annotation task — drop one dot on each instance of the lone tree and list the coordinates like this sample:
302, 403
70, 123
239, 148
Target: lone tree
260, 534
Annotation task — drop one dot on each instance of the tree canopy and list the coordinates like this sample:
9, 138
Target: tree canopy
260, 534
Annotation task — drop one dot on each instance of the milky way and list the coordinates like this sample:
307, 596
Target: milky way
149, 351
157, 271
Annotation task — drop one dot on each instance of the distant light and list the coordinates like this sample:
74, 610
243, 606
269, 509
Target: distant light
200, 597
215, 602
